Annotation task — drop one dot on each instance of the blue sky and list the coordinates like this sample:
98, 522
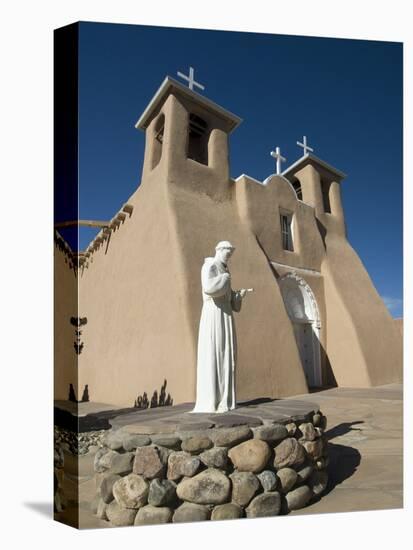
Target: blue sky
345, 95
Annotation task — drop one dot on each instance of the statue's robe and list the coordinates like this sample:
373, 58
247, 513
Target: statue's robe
217, 343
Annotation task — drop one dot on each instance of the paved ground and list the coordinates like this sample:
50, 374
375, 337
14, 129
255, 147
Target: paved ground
366, 449
365, 446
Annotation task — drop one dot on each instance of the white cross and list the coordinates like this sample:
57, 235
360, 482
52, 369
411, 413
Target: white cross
279, 158
190, 79
305, 146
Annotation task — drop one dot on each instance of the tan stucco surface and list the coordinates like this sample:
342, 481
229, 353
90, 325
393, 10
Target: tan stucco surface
141, 293
65, 307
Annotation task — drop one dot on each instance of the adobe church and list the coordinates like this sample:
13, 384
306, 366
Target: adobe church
313, 320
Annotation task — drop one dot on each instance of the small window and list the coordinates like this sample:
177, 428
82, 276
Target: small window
286, 231
198, 139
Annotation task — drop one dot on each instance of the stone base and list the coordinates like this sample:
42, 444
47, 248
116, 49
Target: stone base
158, 466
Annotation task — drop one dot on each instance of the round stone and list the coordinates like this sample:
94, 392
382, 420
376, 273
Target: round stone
217, 457
289, 453
271, 433
162, 492
153, 515
113, 440
228, 437
245, 485
314, 449
191, 512
318, 482
304, 473
131, 491
288, 478
265, 505
291, 428
169, 441
106, 487
196, 444
208, 487
298, 498
307, 431
317, 419
268, 480
250, 456
120, 463
119, 516
182, 464
320, 420
102, 459
229, 510
132, 442
150, 462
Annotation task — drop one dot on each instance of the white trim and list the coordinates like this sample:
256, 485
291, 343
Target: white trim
315, 322
168, 85
322, 163
303, 270
250, 178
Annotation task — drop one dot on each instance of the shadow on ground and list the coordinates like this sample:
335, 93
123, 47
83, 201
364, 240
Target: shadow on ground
344, 462
343, 429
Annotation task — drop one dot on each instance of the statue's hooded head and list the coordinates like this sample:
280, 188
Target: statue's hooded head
224, 251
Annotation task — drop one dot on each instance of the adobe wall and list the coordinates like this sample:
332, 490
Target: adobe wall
140, 289
137, 334
206, 212
364, 345
65, 307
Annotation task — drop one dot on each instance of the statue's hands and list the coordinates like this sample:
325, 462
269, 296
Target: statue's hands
243, 292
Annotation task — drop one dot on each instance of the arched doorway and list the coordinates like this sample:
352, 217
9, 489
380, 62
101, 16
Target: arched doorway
302, 310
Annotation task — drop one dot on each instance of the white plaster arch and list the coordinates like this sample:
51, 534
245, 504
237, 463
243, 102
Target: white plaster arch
302, 309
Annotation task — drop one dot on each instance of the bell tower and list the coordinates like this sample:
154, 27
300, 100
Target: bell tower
319, 185
187, 140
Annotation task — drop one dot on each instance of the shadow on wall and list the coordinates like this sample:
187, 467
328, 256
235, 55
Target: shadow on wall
329, 380
85, 395
163, 400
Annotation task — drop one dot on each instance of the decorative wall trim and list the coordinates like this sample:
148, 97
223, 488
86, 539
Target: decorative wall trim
304, 270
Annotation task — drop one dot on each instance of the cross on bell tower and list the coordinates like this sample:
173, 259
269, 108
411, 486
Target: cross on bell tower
190, 79
279, 159
304, 145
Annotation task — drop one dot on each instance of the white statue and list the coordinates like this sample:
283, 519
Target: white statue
217, 344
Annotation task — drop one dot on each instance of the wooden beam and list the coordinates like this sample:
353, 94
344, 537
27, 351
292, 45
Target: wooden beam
86, 223
128, 208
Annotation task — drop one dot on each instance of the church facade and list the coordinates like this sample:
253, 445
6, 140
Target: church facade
127, 309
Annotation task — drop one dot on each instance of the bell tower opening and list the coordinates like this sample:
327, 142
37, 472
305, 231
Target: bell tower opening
325, 190
158, 140
198, 137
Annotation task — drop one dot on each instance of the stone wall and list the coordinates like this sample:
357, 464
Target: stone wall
210, 474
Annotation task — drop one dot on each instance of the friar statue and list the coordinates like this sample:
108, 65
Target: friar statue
217, 344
